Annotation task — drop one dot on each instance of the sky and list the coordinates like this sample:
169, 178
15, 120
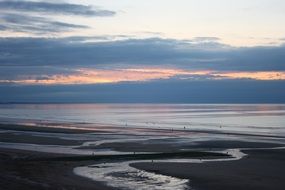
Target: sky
164, 51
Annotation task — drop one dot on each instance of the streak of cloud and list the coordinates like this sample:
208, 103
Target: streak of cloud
55, 8
37, 18
35, 24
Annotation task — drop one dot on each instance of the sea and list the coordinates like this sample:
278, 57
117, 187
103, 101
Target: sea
261, 119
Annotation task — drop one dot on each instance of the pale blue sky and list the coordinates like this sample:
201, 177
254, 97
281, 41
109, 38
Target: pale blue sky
236, 22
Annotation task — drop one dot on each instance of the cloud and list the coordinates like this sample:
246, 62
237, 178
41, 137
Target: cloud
67, 52
76, 60
207, 39
77, 69
54, 8
152, 51
34, 24
43, 18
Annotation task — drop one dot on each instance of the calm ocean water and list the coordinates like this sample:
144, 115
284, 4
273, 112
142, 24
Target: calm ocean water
257, 118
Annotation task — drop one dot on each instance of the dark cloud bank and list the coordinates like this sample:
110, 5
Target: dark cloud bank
224, 91
74, 52
35, 55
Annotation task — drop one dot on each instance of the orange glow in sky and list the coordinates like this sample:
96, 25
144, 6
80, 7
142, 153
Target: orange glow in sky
98, 76
266, 75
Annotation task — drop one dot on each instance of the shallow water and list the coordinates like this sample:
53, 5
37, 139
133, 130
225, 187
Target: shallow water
255, 119
122, 175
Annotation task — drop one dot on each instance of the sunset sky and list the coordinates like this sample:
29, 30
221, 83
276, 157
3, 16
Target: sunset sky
211, 51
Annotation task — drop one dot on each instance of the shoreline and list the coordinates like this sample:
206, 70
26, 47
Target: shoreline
32, 170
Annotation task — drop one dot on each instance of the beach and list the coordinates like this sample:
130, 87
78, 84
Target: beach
261, 168
19, 172
165, 147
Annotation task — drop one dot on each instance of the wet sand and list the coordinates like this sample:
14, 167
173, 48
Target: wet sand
11, 137
52, 128
18, 171
262, 169
165, 146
